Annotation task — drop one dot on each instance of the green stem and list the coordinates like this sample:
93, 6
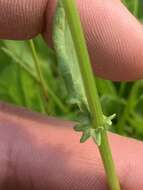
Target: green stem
129, 106
136, 8
122, 89
84, 62
124, 1
109, 166
38, 68
90, 89
45, 87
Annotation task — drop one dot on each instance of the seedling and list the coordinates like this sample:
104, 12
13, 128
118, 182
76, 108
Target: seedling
75, 66
32, 83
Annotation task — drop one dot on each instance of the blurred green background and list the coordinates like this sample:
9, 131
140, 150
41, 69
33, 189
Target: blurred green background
41, 89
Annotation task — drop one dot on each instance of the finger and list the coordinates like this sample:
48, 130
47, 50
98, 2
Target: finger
21, 19
39, 159
43, 156
128, 156
114, 38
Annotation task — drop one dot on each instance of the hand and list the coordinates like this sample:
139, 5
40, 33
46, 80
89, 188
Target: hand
44, 153
37, 155
114, 36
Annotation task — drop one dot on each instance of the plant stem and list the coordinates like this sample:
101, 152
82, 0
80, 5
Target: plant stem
124, 1
122, 120
127, 109
122, 88
136, 8
90, 89
109, 166
84, 62
38, 68
45, 87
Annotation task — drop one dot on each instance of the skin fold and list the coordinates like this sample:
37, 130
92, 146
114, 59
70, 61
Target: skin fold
43, 153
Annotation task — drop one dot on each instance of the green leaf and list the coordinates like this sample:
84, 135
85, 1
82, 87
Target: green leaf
67, 59
139, 106
108, 120
85, 136
96, 135
18, 84
106, 87
20, 53
80, 128
17, 87
112, 104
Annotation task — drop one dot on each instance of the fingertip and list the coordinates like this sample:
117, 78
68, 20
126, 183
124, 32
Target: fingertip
21, 19
115, 40
128, 155
49, 17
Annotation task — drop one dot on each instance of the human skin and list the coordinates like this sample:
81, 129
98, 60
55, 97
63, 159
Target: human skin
42, 153
114, 36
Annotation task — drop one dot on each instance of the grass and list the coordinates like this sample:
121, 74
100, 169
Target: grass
20, 84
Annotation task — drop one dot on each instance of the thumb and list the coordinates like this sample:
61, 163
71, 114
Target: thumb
114, 38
